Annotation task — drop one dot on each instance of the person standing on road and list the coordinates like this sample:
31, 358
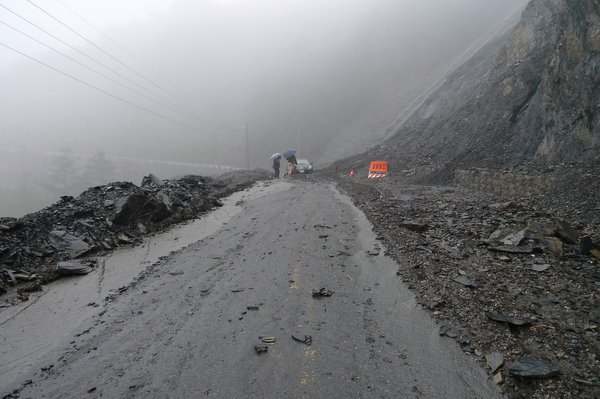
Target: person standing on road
276, 164
292, 162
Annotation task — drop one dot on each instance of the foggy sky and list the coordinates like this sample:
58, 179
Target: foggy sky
298, 71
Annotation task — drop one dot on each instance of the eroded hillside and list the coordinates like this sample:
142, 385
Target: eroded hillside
528, 99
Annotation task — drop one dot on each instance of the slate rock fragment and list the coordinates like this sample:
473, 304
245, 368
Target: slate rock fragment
414, 226
565, 231
527, 367
152, 181
514, 239
304, 339
585, 245
512, 249
267, 339
73, 268
323, 292
497, 379
540, 267
124, 239
508, 320
465, 281
494, 361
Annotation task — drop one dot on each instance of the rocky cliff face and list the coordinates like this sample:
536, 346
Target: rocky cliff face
556, 96
531, 98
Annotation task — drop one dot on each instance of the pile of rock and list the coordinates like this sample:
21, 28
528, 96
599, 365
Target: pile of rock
552, 236
33, 248
514, 283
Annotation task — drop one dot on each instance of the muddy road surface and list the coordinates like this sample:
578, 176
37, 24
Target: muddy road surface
189, 326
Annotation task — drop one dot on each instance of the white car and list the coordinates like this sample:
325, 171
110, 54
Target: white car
304, 167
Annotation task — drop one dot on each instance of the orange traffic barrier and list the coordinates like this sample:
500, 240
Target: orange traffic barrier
378, 169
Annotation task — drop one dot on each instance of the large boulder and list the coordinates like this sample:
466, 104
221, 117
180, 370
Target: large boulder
142, 207
556, 228
152, 181
164, 208
132, 208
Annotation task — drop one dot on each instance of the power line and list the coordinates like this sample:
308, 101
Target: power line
106, 52
93, 59
129, 53
99, 89
90, 68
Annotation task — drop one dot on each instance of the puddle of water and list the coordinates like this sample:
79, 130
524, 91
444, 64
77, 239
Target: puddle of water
32, 329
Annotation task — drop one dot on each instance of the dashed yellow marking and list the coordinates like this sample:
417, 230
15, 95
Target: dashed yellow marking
277, 357
295, 278
310, 354
305, 379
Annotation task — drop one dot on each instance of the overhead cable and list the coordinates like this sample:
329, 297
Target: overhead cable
130, 53
95, 60
107, 53
92, 69
99, 89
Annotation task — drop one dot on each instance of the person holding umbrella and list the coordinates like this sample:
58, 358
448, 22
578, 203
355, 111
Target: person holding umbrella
290, 156
276, 158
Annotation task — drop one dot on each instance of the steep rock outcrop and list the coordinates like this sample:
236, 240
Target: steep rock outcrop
530, 98
559, 121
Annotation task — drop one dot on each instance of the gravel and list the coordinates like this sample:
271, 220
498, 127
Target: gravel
544, 293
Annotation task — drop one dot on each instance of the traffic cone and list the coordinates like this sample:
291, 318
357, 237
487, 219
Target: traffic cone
352, 173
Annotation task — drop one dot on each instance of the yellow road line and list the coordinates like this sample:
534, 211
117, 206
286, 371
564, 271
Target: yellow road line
295, 278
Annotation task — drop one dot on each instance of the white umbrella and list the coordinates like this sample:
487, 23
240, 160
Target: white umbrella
276, 155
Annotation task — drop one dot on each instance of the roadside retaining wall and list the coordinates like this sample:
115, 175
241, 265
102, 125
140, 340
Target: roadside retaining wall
505, 184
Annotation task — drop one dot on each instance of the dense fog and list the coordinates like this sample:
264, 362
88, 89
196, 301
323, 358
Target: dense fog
193, 81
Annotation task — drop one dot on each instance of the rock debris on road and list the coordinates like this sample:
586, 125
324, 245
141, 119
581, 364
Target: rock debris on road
192, 334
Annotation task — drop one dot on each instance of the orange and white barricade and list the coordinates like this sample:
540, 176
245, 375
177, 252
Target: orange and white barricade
378, 169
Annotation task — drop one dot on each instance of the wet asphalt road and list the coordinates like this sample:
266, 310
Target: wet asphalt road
185, 331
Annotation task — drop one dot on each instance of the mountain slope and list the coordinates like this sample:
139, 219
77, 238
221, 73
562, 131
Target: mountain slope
537, 103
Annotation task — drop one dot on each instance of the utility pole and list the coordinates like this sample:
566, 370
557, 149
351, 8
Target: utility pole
247, 147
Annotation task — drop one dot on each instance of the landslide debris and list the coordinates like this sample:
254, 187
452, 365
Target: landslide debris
511, 282
45, 245
517, 275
